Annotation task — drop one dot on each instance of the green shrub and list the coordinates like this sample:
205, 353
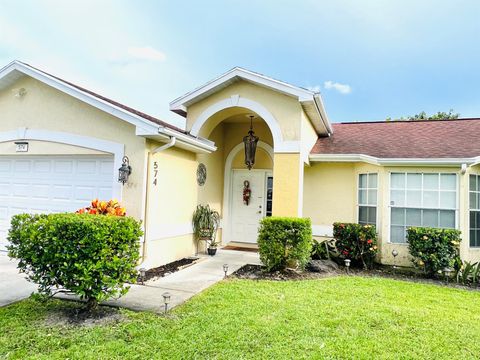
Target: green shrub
433, 249
284, 241
322, 249
356, 242
87, 255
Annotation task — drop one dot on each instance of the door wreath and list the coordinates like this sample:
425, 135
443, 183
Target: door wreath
247, 192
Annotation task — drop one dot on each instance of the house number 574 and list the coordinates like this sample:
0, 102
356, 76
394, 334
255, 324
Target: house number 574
155, 172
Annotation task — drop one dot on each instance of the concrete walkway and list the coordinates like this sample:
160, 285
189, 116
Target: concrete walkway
13, 285
184, 284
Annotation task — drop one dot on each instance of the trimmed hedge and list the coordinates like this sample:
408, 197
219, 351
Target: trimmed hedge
284, 241
356, 242
88, 255
433, 249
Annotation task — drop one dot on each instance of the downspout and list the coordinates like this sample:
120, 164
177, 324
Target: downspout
166, 146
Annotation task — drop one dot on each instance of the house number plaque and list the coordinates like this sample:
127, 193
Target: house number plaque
21, 146
155, 173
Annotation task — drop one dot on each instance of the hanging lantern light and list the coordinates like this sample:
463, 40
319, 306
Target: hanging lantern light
250, 141
124, 171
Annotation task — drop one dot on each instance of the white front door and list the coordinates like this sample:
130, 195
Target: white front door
245, 219
46, 184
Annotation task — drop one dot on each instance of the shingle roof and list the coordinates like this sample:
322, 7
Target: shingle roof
112, 102
404, 139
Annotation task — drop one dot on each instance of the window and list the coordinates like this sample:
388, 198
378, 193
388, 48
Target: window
421, 200
269, 196
474, 210
367, 199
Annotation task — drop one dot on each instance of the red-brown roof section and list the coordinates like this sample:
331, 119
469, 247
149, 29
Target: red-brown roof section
404, 139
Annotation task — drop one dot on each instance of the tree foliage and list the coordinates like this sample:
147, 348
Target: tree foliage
440, 115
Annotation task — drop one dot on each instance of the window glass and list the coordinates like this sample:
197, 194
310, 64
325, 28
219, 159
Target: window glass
447, 199
363, 181
429, 200
474, 205
367, 199
398, 181
414, 181
448, 182
430, 181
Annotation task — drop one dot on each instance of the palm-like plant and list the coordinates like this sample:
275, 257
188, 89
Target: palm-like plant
205, 223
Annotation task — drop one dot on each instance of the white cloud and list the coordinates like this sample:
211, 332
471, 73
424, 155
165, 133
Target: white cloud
146, 53
315, 88
341, 88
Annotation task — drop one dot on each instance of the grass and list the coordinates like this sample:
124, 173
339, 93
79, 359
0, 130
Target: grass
344, 317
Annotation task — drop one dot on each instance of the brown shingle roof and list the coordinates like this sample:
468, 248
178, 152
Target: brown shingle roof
404, 139
113, 102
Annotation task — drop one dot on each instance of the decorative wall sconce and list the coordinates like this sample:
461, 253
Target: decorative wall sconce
124, 171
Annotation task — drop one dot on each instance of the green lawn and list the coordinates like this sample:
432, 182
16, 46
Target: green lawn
344, 317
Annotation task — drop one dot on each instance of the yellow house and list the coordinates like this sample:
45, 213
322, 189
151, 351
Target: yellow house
62, 145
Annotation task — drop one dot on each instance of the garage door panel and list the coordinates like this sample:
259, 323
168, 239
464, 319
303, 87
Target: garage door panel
42, 166
5, 166
22, 166
51, 184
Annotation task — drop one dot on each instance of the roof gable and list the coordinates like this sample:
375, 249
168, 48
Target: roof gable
13, 71
310, 101
146, 125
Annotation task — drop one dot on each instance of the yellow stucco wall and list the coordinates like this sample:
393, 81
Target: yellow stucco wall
330, 195
171, 200
286, 110
286, 186
46, 108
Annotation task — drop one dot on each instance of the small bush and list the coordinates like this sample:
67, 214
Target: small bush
87, 255
322, 249
433, 249
97, 207
356, 242
284, 241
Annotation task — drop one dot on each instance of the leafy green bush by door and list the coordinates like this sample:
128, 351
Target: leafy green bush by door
284, 241
433, 249
87, 255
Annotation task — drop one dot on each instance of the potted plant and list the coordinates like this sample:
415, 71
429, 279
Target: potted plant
205, 224
212, 248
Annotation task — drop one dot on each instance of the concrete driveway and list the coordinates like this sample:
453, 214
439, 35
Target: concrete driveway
13, 286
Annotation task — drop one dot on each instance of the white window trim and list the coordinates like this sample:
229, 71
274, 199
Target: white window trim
389, 207
377, 217
470, 209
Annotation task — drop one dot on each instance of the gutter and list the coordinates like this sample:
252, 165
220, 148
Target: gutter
460, 162
321, 110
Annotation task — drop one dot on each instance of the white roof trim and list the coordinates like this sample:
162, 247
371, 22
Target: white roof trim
180, 104
143, 126
393, 161
190, 98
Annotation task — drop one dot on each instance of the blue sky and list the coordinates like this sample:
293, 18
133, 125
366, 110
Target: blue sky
369, 59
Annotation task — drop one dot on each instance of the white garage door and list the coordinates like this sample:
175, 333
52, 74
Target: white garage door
45, 184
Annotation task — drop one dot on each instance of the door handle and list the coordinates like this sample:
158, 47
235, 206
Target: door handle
259, 212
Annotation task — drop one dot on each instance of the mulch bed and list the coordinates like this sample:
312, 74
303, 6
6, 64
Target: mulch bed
75, 314
167, 269
257, 272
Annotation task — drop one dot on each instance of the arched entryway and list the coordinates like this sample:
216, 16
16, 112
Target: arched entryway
228, 174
